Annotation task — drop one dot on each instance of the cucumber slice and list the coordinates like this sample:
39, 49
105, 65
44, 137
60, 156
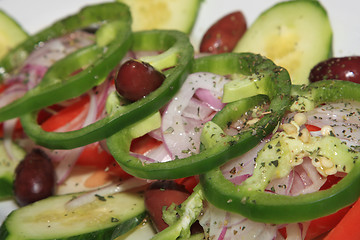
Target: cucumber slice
105, 218
11, 33
295, 35
144, 231
163, 14
7, 168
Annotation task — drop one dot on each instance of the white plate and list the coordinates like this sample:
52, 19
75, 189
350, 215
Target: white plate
35, 14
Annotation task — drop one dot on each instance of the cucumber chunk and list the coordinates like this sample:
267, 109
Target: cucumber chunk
7, 167
11, 33
104, 218
295, 35
144, 231
163, 14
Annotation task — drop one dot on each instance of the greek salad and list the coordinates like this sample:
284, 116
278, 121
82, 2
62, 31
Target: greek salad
239, 145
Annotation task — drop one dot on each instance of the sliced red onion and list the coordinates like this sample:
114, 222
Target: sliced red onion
239, 169
296, 231
64, 161
9, 127
211, 98
225, 227
55, 49
160, 154
12, 93
63, 169
281, 186
309, 172
156, 134
179, 143
219, 224
330, 113
92, 111
105, 191
342, 117
102, 92
40, 60
212, 221
143, 158
197, 110
33, 74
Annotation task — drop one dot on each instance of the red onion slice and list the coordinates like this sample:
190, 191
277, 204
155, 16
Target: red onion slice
219, 224
12, 93
63, 169
311, 179
239, 169
92, 111
211, 98
180, 144
44, 56
9, 127
197, 110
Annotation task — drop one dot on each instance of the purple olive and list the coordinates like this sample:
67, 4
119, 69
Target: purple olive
136, 79
34, 178
342, 68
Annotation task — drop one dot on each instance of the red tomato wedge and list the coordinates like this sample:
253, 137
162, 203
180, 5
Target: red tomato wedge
160, 195
94, 155
144, 144
65, 115
188, 182
3, 87
322, 225
114, 169
348, 227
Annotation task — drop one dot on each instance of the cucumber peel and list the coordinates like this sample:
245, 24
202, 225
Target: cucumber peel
294, 34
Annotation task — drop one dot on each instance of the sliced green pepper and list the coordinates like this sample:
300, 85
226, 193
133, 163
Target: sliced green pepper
245, 63
113, 40
177, 55
273, 208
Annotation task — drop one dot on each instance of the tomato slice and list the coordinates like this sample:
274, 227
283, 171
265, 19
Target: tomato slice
144, 144
3, 87
330, 180
65, 115
323, 225
162, 195
95, 156
114, 169
188, 182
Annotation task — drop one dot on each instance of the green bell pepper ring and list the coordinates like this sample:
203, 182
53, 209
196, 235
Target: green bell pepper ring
113, 40
177, 54
246, 63
272, 208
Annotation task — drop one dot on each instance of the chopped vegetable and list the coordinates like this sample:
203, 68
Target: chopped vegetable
58, 84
